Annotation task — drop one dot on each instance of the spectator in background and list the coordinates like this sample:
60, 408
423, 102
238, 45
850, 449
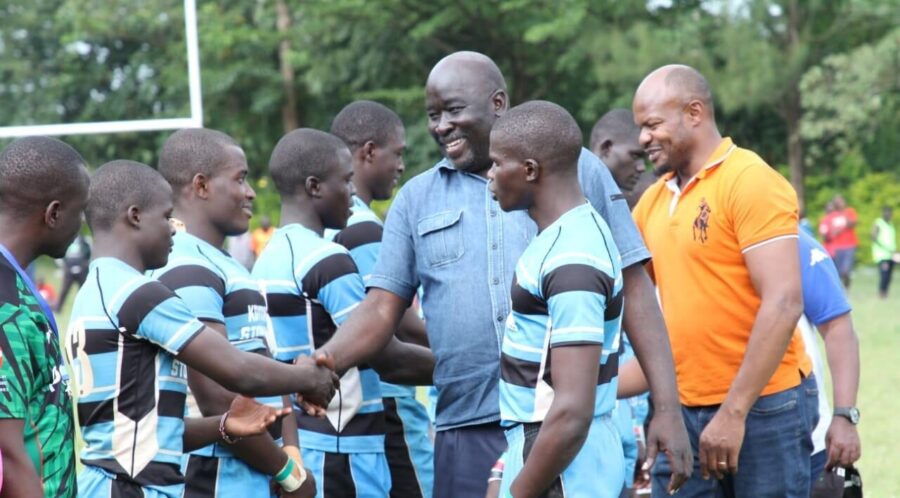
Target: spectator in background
614, 141
824, 228
841, 234
884, 249
260, 237
75, 266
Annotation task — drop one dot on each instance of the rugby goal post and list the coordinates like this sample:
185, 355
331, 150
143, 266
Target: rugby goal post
195, 120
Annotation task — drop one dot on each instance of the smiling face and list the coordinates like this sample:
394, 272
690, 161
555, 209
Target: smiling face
230, 205
462, 108
508, 175
665, 136
387, 165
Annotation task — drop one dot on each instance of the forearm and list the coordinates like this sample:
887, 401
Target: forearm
842, 349
632, 381
261, 452
20, 478
769, 338
367, 331
412, 329
644, 325
560, 439
406, 364
200, 432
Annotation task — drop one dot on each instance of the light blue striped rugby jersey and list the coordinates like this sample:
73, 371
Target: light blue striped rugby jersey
362, 237
311, 286
124, 333
218, 289
567, 290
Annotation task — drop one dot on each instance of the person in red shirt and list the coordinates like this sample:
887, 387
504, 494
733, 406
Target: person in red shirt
840, 237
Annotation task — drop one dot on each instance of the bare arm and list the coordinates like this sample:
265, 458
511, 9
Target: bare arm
259, 452
842, 348
403, 363
775, 273
412, 329
255, 375
574, 370
644, 325
20, 478
368, 330
632, 381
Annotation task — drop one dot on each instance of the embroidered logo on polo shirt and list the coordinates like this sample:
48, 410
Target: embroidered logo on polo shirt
701, 222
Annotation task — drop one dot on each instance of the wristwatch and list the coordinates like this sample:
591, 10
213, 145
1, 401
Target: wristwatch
850, 413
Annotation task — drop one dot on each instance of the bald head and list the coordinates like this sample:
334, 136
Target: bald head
542, 131
34, 171
476, 68
679, 83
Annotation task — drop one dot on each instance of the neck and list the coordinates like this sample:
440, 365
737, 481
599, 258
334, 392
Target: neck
363, 192
703, 148
18, 241
112, 244
295, 211
199, 225
556, 200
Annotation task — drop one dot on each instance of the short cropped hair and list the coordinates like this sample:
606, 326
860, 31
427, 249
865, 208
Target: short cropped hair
35, 171
616, 125
119, 184
191, 151
363, 121
542, 131
303, 153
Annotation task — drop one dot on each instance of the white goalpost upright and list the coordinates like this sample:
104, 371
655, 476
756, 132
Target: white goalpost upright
195, 120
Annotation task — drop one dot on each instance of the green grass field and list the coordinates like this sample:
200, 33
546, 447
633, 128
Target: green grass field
878, 326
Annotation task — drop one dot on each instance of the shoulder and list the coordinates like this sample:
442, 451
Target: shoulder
359, 234
188, 269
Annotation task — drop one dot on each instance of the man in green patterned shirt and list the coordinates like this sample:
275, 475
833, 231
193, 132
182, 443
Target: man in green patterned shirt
43, 190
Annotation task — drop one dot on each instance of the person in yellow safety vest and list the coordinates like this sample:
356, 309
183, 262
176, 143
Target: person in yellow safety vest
884, 249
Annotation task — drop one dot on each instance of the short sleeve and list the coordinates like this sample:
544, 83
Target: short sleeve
823, 293
16, 376
395, 270
153, 312
577, 298
604, 195
201, 289
763, 206
335, 283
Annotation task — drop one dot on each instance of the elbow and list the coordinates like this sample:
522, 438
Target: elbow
574, 421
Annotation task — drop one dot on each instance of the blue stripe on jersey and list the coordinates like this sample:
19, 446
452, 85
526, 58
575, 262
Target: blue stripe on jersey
362, 237
567, 290
124, 333
312, 285
219, 289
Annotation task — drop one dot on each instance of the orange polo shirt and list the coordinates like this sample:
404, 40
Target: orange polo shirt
697, 236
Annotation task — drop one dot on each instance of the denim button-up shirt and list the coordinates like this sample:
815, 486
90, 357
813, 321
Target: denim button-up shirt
445, 232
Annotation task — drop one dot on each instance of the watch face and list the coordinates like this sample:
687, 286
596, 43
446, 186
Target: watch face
854, 415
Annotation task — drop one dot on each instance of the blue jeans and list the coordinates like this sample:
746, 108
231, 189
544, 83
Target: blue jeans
774, 457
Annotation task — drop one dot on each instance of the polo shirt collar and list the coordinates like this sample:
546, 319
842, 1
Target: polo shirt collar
723, 150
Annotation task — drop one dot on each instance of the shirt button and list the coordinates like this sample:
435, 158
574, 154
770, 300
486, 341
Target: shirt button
499, 318
496, 281
493, 214
494, 246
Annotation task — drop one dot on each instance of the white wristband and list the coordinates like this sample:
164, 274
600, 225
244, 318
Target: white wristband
291, 483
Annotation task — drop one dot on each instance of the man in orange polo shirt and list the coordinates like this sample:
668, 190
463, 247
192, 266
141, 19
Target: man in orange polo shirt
722, 229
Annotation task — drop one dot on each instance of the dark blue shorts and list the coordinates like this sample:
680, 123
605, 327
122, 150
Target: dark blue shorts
463, 459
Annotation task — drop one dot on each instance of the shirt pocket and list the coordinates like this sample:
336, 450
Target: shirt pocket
441, 237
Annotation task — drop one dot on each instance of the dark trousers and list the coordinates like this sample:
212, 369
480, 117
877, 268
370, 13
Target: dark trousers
885, 271
463, 459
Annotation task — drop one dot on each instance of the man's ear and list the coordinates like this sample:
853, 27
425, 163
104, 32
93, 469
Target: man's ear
695, 112
200, 186
500, 102
605, 146
133, 216
51, 213
532, 170
313, 187
368, 151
